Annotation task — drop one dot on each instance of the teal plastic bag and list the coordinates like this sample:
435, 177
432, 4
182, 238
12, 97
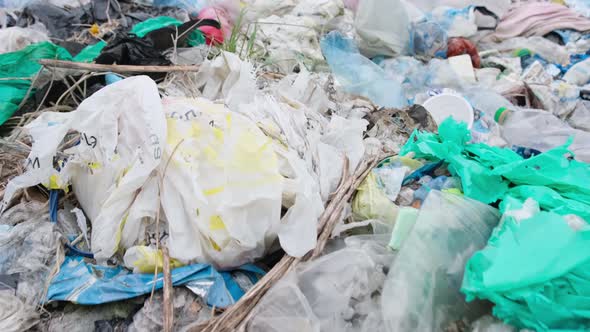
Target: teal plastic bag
488, 172
536, 271
23, 66
143, 28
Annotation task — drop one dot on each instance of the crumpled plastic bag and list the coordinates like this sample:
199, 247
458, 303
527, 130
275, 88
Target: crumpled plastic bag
339, 291
370, 202
122, 133
549, 290
16, 38
421, 292
29, 246
222, 189
359, 75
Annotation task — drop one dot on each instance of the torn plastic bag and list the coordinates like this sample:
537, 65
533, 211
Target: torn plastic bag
16, 38
222, 189
189, 310
83, 283
487, 172
29, 247
550, 288
340, 291
122, 131
149, 49
422, 290
359, 75
143, 28
382, 27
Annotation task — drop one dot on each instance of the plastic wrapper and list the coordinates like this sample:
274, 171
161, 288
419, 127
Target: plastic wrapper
422, 290
336, 292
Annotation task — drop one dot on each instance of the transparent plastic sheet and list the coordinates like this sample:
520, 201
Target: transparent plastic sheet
422, 291
15, 315
339, 291
15, 38
188, 309
29, 249
382, 27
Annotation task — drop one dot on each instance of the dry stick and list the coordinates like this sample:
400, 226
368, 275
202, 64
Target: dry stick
115, 68
168, 292
158, 216
236, 316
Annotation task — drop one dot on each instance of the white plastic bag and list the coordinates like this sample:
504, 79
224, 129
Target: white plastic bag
15, 38
383, 27
122, 130
222, 189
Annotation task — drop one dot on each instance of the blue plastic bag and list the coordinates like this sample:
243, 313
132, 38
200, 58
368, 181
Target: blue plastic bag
359, 75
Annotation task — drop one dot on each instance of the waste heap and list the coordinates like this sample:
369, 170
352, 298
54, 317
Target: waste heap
312, 165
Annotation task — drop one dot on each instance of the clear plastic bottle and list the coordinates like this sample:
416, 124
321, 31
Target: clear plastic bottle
541, 130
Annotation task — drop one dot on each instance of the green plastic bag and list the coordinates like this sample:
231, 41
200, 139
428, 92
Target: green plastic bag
536, 271
488, 172
143, 28
23, 66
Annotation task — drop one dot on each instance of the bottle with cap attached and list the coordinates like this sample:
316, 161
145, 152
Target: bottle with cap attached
541, 130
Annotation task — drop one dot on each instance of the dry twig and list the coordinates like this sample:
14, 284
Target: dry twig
115, 68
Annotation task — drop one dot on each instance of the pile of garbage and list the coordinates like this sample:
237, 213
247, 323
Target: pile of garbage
311, 165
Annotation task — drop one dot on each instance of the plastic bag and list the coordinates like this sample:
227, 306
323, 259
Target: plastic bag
16, 316
84, 283
336, 292
421, 292
23, 64
370, 202
383, 27
16, 38
459, 46
112, 169
29, 249
222, 189
358, 74
551, 285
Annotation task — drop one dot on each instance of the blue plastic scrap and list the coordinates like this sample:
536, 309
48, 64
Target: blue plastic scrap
84, 283
358, 74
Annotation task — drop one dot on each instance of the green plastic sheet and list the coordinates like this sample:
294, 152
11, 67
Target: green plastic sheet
143, 28
22, 65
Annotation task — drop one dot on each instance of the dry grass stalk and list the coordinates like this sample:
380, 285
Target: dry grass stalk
168, 293
235, 317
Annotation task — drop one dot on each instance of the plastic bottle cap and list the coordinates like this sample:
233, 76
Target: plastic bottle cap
499, 112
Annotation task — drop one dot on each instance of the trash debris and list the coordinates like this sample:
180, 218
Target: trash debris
316, 165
